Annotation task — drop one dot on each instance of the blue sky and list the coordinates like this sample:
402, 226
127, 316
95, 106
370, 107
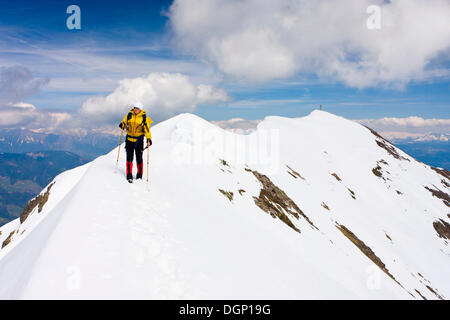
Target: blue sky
131, 39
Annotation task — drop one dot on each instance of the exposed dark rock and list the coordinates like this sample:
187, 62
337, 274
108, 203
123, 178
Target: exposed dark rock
294, 173
8, 240
445, 174
325, 206
420, 294
377, 171
28, 208
365, 250
442, 172
275, 202
435, 293
442, 228
390, 149
352, 193
227, 194
241, 191
376, 134
225, 166
336, 176
39, 201
386, 145
44, 198
445, 197
224, 163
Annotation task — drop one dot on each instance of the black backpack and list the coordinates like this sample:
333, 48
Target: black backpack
144, 119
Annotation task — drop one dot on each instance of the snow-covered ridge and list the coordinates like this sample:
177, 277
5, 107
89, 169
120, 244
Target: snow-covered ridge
313, 207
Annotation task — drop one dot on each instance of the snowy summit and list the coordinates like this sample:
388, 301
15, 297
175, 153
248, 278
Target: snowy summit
318, 207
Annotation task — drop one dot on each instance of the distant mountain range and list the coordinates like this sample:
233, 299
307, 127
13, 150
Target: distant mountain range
29, 160
443, 137
432, 148
428, 137
435, 153
89, 145
22, 177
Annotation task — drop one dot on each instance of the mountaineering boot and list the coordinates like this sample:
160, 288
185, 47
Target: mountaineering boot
140, 167
129, 171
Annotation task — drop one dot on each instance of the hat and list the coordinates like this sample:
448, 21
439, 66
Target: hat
138, 105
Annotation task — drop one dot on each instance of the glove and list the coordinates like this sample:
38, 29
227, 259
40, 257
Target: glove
149, 142
121, 125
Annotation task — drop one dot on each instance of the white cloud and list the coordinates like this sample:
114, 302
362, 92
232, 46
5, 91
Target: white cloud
419, 137
55, 119
11, 117
415, 128
441, 137
400, 135
410, 124
22, 105
391, 128
32, 118
17, 83
262, 40
163, 95
258, 103
90, 66
209, 94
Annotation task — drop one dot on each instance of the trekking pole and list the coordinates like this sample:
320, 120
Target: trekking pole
147, 163
120, 142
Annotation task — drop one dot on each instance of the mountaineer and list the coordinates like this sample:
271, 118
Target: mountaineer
138, 127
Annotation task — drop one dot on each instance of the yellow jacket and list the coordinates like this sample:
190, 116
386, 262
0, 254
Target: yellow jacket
135, 126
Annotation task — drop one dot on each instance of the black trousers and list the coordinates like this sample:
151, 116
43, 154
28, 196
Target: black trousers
135, 147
